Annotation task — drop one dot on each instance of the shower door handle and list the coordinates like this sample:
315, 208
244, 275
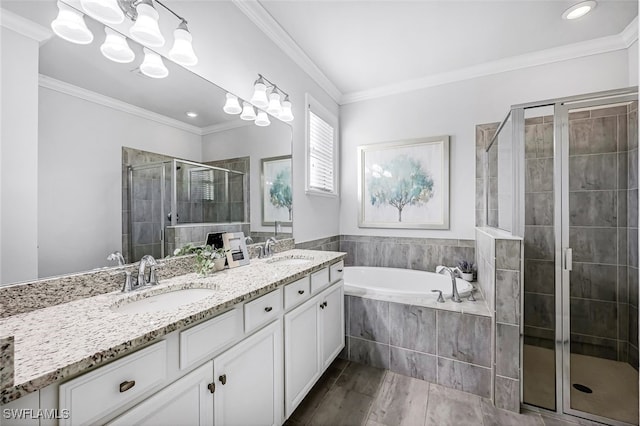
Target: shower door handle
568, 259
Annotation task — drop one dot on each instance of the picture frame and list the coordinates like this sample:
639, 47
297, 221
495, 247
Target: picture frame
237, 254
276, 190
404, 184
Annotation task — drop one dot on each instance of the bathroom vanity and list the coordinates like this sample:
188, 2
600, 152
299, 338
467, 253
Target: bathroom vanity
245, 348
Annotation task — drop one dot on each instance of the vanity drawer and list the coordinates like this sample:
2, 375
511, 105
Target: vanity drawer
206, 338
262, 310
319, 280
94, 395
336, 271
296, 292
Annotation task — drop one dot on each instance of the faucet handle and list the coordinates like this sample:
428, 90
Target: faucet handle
128, 283
471, 298
153, 279
440, 298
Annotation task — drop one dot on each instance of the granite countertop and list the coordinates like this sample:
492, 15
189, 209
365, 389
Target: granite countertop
60, 341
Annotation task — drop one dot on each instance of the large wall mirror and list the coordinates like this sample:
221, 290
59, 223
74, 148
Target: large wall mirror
122, 167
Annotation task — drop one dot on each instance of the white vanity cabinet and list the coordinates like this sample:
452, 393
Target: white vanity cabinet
314, 336
249, 380
188, 401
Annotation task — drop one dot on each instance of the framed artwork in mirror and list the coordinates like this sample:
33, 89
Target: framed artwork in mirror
237, 254
404, 184
277, 193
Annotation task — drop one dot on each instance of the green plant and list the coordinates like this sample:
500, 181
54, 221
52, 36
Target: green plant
205, 255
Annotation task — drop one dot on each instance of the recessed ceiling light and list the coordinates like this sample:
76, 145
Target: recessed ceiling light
579, 10
192, 114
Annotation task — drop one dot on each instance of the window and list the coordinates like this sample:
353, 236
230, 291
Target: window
201, 183
322, 147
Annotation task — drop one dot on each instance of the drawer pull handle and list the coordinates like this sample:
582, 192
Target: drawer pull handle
322, 306
339, 270
268, 309
325, 303
300, 291
211, 387
223, 379
126, 385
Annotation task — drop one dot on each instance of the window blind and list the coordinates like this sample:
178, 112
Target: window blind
201, 184
321, 154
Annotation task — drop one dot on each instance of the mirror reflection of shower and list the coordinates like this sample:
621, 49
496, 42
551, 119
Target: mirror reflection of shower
171, 203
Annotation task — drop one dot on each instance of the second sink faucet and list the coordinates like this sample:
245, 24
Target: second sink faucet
453, 273
268, 246
147, 260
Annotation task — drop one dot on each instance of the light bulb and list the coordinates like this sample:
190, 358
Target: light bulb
182, 50
262, 119
106, 11
259, 97
116, 48
286, 114
152, 66
231, 105
145, 30
274, 104
248, 113
70, 25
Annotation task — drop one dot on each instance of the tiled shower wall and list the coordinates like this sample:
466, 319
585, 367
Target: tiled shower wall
239, 203
499, 277
632, 233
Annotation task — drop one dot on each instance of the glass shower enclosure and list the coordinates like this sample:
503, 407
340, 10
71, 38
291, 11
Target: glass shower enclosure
178, 192
563, 174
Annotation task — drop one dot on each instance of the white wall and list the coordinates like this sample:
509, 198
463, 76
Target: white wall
257, 143
19, 158
633, 63
454, 109
231, 52
80, 176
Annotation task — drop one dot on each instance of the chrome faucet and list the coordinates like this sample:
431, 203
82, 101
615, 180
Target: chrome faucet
268, 246
116, 256
147, 260
453, 273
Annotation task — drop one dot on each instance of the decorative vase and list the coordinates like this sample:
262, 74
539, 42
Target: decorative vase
218, 264
467, 276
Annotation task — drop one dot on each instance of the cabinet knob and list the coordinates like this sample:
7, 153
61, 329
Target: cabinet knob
126, 385
325, 303
211, 387
268, 309
300, 291
223, 379
322, 306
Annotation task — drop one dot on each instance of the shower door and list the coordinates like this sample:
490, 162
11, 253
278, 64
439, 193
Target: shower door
596, 190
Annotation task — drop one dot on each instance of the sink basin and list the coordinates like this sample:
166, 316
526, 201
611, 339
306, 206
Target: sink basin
290, 261
164, 301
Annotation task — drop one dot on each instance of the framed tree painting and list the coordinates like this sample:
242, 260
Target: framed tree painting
277, 194
404, 184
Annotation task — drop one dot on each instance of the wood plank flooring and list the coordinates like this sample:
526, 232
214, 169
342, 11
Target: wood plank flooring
351, 394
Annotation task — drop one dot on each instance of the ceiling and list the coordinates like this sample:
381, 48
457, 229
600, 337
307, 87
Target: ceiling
360, 45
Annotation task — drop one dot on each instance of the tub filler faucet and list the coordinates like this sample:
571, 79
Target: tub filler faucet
453, 273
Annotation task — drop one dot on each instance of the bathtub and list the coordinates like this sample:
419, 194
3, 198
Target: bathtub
400, 284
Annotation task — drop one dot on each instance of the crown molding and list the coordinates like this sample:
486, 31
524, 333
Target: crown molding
542, 57
630, 33
24, 26
97, 98
221, 127
272, 29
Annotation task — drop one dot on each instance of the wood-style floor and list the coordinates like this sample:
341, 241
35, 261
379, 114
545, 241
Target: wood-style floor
352, 394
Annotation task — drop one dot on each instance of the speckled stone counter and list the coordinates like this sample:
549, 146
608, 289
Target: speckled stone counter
60, 341
6, 361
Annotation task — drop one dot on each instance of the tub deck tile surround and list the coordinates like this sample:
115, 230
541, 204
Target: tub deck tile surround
65, 339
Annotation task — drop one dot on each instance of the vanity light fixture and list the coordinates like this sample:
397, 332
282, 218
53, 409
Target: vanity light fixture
145, 30
70, 25
116, 48
262, 119
274, 108
231, 105
579, 10
152, 66
286, 114
259, 97
182, 50
248, 113
107, 11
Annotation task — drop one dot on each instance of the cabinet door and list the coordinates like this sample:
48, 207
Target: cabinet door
187, 401
301, 353
249, 378
331, 303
